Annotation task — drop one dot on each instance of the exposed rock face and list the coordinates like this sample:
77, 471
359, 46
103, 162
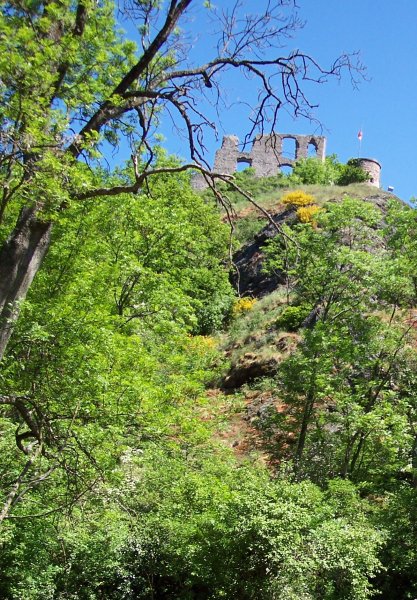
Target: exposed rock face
249, 368
248, 277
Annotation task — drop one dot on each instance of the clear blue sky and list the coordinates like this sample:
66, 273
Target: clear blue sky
384, 107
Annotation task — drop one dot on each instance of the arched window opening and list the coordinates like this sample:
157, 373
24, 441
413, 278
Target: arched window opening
286, 169
289, 148
311, 150
242, 164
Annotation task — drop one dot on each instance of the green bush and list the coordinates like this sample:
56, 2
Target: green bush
352, 172
310, 171
292, 317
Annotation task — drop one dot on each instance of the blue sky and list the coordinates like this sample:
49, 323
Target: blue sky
384, 107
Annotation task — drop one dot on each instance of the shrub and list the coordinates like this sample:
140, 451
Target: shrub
306, 214
242, 305
297, 198
292, 317
313, 171
247, 227
352, 172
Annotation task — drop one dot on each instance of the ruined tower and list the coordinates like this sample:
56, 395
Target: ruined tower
373, 167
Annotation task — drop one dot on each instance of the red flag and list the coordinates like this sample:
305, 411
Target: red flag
360, 135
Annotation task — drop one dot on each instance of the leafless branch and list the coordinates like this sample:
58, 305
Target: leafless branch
136, 186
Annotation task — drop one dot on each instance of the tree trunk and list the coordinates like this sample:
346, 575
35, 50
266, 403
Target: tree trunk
20, 259
414, 463
13, 495
307, 412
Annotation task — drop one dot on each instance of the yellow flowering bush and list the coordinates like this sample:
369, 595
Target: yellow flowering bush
242, 305
298, 198
202, 342
306, 214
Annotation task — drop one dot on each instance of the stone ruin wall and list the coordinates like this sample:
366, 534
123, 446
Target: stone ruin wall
266, 156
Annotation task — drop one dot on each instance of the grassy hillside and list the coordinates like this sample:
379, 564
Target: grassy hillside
191, 444
256, 342
249, 221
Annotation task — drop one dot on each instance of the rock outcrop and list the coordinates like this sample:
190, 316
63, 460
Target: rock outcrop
248, 276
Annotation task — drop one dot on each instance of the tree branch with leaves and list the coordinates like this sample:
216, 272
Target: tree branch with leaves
73, 84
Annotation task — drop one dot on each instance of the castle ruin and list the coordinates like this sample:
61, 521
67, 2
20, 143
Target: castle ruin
373, 168
267, 156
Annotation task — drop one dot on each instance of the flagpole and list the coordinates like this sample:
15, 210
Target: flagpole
360, 135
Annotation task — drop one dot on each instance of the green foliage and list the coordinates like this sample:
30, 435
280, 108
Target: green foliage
398, 516
112, 482
352, 172
316, 171
351, 372
262, 529
45, 111
193, 528
292, 317
104, 353
330, 171
247, 227
114, 363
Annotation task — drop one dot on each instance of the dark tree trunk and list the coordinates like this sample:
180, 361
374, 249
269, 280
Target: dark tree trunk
307, 412
20, 259
414, 462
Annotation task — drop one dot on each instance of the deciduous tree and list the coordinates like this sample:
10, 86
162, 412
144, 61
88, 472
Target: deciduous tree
72, 86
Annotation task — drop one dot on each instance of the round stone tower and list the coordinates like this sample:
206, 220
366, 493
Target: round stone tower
373, 167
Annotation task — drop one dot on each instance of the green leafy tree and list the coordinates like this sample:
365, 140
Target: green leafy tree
194, 528
74, 85
328, 172
343, 386
106, 327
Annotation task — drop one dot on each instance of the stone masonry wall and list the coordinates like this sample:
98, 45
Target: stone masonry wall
266, 156
371, 166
